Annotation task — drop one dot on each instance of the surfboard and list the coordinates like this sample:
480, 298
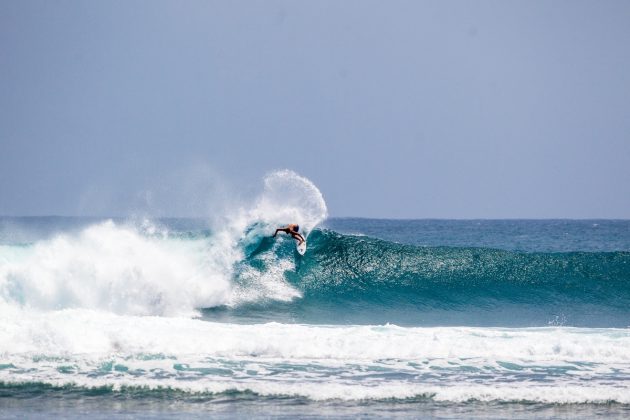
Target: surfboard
300, 247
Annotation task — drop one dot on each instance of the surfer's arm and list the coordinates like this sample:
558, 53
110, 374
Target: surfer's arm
280, 230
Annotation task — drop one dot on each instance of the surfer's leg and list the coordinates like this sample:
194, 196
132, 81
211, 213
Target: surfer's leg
298, 237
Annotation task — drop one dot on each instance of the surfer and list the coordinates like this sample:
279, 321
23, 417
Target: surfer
292, 230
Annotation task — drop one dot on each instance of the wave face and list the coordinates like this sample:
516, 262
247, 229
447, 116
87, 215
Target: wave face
351, 268
359, 279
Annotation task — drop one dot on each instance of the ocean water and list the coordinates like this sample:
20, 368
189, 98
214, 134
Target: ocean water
144, 317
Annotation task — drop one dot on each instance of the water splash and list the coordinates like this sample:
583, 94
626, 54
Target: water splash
143, 270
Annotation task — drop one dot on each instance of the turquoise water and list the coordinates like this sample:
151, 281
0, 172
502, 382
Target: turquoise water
428, 318
529, 277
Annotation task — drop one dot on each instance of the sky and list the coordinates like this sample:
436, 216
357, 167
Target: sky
394, 109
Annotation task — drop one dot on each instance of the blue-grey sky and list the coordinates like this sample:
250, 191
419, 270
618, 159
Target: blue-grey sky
412, 109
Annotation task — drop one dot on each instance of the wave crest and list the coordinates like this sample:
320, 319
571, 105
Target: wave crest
147, 271
114, 268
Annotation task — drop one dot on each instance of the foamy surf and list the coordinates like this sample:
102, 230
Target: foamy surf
95, 349
140, 269
115, 268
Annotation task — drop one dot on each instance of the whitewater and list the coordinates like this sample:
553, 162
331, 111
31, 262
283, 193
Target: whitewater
379, 316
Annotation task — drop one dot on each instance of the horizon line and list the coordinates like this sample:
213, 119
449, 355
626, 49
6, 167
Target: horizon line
328, 218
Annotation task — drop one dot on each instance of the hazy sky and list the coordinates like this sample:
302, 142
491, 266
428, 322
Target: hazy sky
445, 109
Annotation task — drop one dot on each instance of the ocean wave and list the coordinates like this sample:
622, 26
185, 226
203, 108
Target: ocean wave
144, 269
369, 268
115, 268
126, 270
402, 392
84, 331
95, 349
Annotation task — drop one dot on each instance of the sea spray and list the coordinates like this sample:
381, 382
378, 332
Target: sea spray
286, 198
114, 268
142, 269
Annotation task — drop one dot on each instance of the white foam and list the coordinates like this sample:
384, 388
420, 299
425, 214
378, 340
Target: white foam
114, 268
257, 286
22, 332
137, 270
442, 363
330, 390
